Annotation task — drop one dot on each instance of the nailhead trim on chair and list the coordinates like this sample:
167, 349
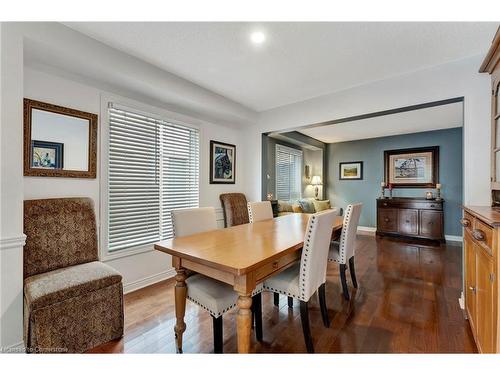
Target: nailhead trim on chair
347, 218
214, 314
219, 313
250, 213
305, 253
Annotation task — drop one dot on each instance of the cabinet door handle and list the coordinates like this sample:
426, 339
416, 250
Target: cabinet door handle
478, 234
433, 205
473, 289
407, 221
275, 265
386, 220
465, 222
385, 204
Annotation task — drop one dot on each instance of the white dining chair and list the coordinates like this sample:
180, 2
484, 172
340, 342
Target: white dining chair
343, 251
212, 295
258, 211
303, 279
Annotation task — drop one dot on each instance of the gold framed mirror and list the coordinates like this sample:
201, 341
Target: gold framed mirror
59, 141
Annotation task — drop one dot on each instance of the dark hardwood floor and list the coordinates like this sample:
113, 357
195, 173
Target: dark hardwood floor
407, 302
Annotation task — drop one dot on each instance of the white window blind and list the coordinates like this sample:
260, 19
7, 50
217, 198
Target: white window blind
288, 173
153, 169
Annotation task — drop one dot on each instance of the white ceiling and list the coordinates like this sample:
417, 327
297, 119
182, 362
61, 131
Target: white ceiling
298, 61
433, 118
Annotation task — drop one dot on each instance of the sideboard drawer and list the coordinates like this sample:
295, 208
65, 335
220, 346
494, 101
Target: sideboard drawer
483, 235
388, 219
418, 205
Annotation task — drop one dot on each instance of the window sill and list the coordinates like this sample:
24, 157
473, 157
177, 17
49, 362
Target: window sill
108, 256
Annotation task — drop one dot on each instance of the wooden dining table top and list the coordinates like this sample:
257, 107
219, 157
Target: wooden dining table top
243, 248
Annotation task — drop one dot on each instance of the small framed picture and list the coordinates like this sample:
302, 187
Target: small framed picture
352, 170
47, 155
412, 167
222, 163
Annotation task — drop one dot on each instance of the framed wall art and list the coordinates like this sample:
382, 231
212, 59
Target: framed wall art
412, 167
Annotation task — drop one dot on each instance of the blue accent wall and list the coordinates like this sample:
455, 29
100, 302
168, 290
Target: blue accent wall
371, 152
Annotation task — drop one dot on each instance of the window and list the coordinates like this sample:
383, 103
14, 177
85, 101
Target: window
288, 176
153, 168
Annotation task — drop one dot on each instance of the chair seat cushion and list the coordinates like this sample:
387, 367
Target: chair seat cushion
286, 282
334, 254
55, 286
214, 296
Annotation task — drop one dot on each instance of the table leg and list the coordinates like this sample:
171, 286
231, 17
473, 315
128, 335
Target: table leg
244, 322
180, 307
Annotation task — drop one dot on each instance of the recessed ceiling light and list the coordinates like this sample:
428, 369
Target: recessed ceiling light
258, 37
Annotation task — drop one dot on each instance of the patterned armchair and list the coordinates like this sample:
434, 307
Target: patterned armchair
72, 302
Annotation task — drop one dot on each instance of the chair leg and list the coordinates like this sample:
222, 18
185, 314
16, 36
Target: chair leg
276, 299
257, 311
290, 302
343, 280
217, 327
322, 303
353, 272
304, 317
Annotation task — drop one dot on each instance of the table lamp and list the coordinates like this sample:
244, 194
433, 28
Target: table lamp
316, 182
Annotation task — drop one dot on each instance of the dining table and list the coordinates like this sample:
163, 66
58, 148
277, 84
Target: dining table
242, 256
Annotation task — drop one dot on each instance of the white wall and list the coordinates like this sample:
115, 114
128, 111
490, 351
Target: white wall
142, 268
11, 181
91, 69
455, 79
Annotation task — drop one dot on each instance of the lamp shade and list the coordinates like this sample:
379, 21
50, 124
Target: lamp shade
316, 180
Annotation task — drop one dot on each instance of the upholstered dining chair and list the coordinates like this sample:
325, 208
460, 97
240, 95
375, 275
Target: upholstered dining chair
258, 211
212, 295
303, 279
235, 209
343, 251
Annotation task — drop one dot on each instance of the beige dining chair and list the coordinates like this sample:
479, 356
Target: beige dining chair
343, 251
212, 295
303, 279
258, 211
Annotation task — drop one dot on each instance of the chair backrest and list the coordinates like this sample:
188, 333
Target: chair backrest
349, 230
314, 257
235, 209
258, 211
60, 233
188, 221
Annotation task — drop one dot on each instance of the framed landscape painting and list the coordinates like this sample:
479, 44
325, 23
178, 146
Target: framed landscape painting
222, 163
412, 167
351, 170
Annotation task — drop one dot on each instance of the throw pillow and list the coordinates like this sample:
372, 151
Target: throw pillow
307, 206
321, 205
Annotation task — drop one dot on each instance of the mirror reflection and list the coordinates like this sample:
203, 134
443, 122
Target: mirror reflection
59, 141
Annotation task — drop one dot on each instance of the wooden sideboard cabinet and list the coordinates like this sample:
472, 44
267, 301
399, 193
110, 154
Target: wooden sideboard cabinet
481, 236
411, 217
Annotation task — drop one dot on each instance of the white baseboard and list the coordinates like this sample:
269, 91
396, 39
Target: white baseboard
449, 237
149, 280
368, 231
461, 301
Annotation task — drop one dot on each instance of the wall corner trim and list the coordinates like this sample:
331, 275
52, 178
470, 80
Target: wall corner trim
12, 242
